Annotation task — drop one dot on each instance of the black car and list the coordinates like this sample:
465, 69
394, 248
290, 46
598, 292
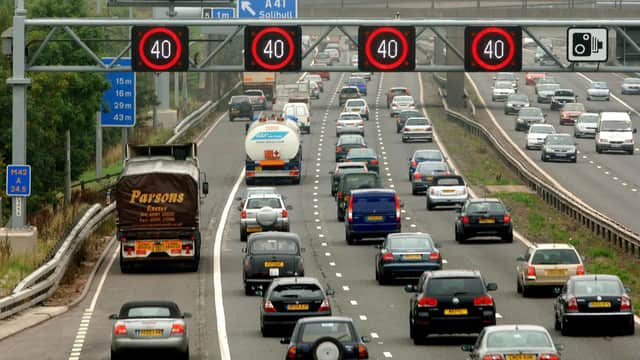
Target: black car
346, 93
269, 255
450, 302
561, 97
594, 301
483, 217
424, 174
406, 255
346, 143
403, 116
345, 168
314, 337
289, 299
240, 106
348, 182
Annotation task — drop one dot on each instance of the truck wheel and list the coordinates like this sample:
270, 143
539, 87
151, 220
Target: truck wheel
243, 236
248, 290
429, 204
230, 118
249, 181
349, 238
340, 215
125, 268
296, 181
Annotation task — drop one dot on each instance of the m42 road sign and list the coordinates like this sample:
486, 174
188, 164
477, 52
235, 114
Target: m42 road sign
267, 9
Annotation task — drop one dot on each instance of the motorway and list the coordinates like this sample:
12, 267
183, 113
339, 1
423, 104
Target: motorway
608, 181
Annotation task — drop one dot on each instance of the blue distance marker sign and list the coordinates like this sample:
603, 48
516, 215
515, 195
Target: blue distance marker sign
267, 9
119, 102
18, 180
218, 13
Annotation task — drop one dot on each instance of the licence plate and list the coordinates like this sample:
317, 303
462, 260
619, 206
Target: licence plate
616, 145
521, 357
274, 264
297, 307
374, 217
412, 257
258, 168
150, 332
252, 229
448, 191
487, 221
144, 245
158, 248
456, 311
600, 304
561, 154
555, 272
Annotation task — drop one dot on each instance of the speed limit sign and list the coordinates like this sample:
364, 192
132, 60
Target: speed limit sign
160, 48
272, 48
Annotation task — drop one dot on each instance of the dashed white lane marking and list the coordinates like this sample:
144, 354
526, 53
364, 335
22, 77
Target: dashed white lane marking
319, 227
606, 173
345, 288
317, 220
327, 254
316, 213
374, 335
339, 275
498, 316
321, 236
332, 264
615, 178
363, 317
407, 218
413, 225
634, 190
324, 244
403, 211
391, 186
444, 261
387, 354
315, 194
353, 302
599, 167
624, 184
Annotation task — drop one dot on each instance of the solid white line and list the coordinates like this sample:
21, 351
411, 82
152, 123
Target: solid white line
374, 335
345, 288
363, 317
387, 354
102, 279
223, 340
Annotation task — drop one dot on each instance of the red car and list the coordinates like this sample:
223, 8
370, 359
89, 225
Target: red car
532, 78
569, 113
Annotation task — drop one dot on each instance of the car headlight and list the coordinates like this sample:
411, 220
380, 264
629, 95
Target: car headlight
509, 105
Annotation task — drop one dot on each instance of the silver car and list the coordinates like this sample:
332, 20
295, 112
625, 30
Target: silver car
514, 341
149, 326
349, 123
545, 92
561, 147
501, 90
402, 102
586, 125
507, 76
263, 212
631, 86
417, 128
515, 102
529, 116
357, 106
536, 135
599, 90
447, 190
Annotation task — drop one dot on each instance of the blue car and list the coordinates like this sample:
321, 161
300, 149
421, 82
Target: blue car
315, 336
358, 82
372, 213
424, 155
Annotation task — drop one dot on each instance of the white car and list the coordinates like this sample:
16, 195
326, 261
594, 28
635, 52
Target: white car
631, 86
334, 55
586, 125
318, 79
447, 190
501, 90
349, 123
300, 113
417, 128
364, 74
536, 135
357, 106
599, 90
402, 102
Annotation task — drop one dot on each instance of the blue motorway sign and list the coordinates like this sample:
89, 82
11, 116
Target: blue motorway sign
267, 9
119, 102
18, 180
218, 13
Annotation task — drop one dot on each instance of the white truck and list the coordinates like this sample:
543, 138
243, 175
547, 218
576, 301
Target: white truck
274, 151
265, 81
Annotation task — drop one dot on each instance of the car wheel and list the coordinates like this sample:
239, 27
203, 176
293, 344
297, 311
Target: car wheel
243, 236
598, 149
404, 140
459, 237
266, 332
185, 355
543, 157
429, 204
518, 286
556, 323
348, 237
564, 327
630, 329
418, 336
413, 190
248, 290
125, 268
526, 290
630, 152
493, 99
230, 118
114, 355
340, 215
397, 130
377, 274
526, 146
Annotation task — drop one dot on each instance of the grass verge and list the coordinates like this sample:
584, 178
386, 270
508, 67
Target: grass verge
532, 217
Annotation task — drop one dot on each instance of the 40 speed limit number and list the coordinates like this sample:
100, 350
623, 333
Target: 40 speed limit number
272, 48
160, 48
493, 48
386, 48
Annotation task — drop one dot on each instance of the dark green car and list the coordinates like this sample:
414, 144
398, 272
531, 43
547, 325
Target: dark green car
353, 181
240, 107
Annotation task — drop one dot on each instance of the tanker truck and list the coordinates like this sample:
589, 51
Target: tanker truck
274, 151
158, 199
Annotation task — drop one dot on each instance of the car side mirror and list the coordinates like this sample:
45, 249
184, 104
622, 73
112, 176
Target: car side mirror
627, 289
285, 340
520, 258
113, 317
559, 347
365, 339
330, 291
492, 287
289, 207
410, 288
186, 315
467, 348
205, 188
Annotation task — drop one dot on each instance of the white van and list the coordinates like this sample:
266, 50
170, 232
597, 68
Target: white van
301, 115
615, 132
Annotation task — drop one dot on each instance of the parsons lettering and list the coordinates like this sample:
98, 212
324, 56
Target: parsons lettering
156, 198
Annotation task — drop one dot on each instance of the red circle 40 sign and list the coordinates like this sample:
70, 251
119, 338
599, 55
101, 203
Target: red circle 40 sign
272, 48
386, 48
160, 48
493, 48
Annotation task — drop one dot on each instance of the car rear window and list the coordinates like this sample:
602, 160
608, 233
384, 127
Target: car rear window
597, 287
449, 182
355, 103
369, 203
518, 339
613, 125
564, 93
349, 91
413, 242
409, 114
344, 140
239, 99
530, 112
361, 181
258, 203
269, 246
352, 116
555, 256
416, 122
297, 290
311, 332
451, 286
296, 110
253, 92
432, 167
149, 312
428, 156
486, 207
361, 153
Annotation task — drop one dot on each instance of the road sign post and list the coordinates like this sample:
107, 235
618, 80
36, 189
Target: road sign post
119, 102
267, 9
587, 44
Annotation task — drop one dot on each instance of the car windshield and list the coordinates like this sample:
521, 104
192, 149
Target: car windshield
340, 331
588, 118
427, 167
433, 155
599, 85
555, 256
518, 339
453, 181
548, 87
148, 312
350, 139
356, 103
350, 116
258, 203
503, 85
615, 125
597, 287
632, 81
297, 291
322, 56
451, 286
417, 121
356, 80
489, 207
519, 98
270, 246
361, 181
530, 112
559, 140
296, 110
239, 99
409, 242
573, 107
361, 153
542, 130
563, 93
349, 90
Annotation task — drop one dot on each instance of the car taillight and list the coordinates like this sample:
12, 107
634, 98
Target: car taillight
548, 357
350, 210
285, 213
428, 128
406, 129
531, 271
413, 163
268, 306
397, 208
325, 305
262, 98
572, 304
339, 149
484, 300
177, 329
339, 194
120, 329
362, 352
465, 219
361, 123
425, 301
435, 255
243, 214
301, 267
492, 357
291, 353
506, 218
374, 162
625, 303
123, 238
580, 270
417, 176
387, 257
